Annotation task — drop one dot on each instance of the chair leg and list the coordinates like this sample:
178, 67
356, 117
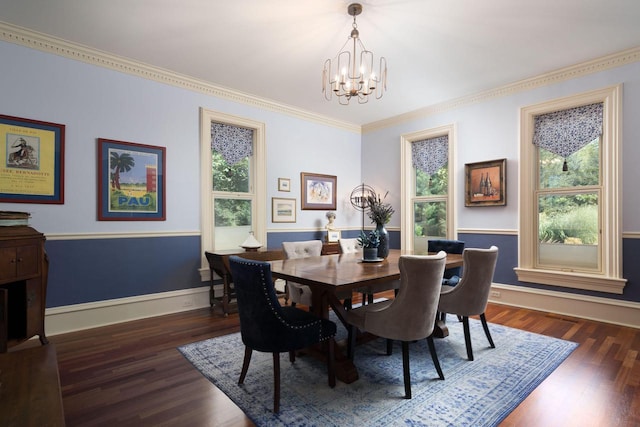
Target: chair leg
370, 299
434, 356
389, 347
467, 336
483, 319
331, 366
347, 304
406, 370
276, 382
245, 364
364, 298
292, 356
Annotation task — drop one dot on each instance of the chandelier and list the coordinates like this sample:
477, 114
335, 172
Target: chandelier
353, 75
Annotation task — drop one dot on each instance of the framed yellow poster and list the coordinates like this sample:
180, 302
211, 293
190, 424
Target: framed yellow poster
31, 161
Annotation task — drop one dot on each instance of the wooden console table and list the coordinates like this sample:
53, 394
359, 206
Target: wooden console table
23, 285
30, 388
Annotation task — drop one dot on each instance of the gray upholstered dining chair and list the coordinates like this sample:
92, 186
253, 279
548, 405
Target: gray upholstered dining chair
469, 297
351, 245
410, 316
299, 293
268, 327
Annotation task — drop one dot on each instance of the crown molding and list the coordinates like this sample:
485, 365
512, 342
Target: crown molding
594, 66
46, 43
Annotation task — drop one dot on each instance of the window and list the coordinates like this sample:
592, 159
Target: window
233, 180
569, 184
427, 196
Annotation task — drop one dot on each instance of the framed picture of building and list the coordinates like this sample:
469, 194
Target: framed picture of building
131, 181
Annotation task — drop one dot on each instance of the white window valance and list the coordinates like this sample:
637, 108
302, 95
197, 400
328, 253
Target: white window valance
567, 131
232, 142
431, 154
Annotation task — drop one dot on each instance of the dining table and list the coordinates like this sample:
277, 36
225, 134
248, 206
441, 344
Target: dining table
328, 275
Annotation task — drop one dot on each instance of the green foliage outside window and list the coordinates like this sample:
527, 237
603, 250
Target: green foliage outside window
232, 179
569, 218
430, 217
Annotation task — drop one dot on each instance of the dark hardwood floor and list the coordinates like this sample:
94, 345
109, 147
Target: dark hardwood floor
131, 374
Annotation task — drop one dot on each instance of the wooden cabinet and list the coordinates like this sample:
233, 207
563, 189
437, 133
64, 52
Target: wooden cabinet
23, 285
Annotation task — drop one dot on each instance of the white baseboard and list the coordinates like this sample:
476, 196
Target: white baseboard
77, 317
605, 310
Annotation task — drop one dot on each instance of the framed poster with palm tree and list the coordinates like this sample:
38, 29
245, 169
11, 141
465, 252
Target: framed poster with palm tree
131, 181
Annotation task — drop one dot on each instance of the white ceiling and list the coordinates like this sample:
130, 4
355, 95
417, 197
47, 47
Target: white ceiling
436, 50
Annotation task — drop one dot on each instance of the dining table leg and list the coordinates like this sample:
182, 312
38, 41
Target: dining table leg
345, 370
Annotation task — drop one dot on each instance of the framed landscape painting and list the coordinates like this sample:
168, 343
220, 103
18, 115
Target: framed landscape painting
283, 209
131, 181
318, 191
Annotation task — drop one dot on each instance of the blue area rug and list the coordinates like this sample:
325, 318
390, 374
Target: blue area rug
478, 393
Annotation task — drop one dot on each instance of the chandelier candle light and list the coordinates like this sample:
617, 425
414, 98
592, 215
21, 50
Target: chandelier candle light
354, 75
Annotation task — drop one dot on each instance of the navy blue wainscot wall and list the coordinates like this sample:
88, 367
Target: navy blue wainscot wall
82, 271
508, 260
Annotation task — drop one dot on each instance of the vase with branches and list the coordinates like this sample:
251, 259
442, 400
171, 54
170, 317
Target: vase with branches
380, 213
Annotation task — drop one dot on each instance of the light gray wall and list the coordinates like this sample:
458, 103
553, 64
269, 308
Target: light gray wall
95, 102
490, 130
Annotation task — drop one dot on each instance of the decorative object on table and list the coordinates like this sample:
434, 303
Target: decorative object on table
283, 209
486, 183
380, 214
318, 192
333, 236
359, 198
266, 326
284, 184
251, 244
478, 394
370, 242
31, 161
131, 181
12, 218
351, 74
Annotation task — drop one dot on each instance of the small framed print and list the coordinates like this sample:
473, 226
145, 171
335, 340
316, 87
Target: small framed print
333, 236
284, 184
486, 183
283, 210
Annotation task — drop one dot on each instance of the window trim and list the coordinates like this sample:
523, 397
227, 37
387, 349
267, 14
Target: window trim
407, 181
610, 279
258, 178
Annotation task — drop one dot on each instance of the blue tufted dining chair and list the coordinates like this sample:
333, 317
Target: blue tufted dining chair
451, 276
266, 326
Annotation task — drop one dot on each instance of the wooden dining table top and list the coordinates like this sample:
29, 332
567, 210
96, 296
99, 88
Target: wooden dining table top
345, 271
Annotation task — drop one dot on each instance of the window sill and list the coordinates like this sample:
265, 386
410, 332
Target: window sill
589, 282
